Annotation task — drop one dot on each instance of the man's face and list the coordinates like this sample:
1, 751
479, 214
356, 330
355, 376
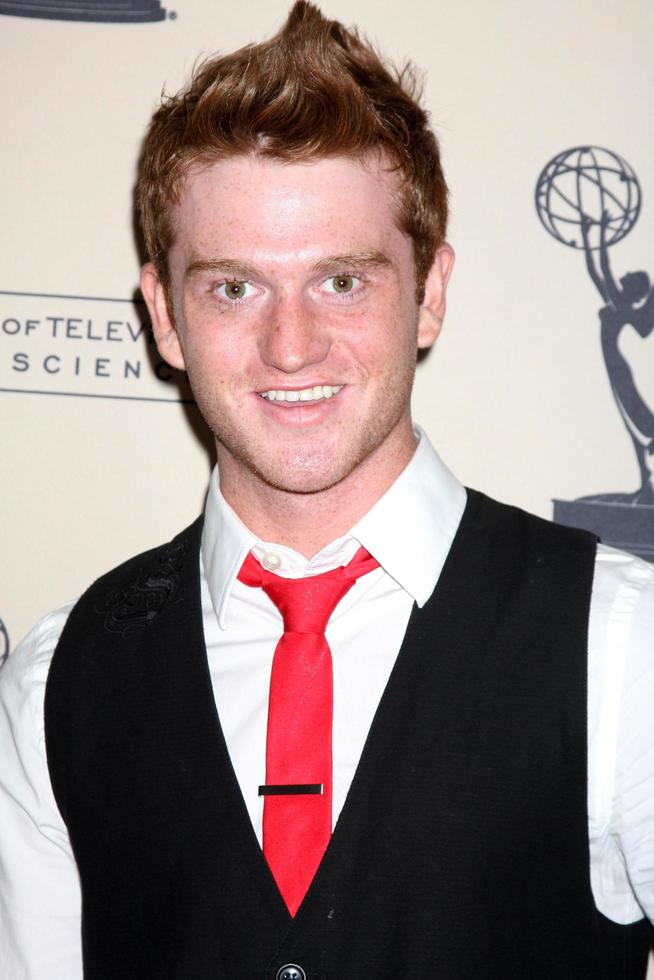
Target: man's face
295, 317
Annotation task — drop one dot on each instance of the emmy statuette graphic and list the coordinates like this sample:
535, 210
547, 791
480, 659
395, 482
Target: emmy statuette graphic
116, 11
4, 643
589, 198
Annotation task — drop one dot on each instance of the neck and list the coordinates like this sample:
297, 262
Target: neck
306, 522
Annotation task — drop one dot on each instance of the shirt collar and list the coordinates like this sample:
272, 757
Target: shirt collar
411, 527
409, 530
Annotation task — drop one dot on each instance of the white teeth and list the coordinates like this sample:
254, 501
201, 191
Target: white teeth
305, 395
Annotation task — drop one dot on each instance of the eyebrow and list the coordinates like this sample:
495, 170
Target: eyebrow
366, 259
233, 267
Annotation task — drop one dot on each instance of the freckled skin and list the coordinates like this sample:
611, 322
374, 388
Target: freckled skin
293, 327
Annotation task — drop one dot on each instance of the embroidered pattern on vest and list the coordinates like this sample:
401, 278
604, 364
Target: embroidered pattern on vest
132, 607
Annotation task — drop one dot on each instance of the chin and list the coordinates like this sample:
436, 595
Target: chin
304, 479
312, 468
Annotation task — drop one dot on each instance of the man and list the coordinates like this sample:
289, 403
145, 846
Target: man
294, 211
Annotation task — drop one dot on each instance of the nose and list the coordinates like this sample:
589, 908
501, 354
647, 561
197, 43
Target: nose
293, 336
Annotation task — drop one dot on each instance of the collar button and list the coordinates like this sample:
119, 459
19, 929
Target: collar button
272, 561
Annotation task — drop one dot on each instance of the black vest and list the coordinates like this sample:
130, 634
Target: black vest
462, 850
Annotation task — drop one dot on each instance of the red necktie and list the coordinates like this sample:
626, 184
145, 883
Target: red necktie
297, 809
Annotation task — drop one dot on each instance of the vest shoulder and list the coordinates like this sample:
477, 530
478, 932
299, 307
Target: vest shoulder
510, 514
133, 594
513, 526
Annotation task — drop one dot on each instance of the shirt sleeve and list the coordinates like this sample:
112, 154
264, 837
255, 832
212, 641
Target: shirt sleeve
39, 886
621, 737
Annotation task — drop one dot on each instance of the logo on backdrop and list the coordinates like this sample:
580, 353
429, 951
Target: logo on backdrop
116, 11
4, 643
87, 346
589, 199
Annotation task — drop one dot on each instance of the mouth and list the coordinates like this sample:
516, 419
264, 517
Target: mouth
313, 394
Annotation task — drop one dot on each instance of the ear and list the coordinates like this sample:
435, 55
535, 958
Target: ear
163, 326
432, 310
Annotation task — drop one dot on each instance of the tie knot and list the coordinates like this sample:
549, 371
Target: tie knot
307, 603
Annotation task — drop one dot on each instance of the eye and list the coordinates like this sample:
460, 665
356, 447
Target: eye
235, 289
341, 284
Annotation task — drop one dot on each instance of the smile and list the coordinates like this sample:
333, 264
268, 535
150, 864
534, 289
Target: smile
314, 394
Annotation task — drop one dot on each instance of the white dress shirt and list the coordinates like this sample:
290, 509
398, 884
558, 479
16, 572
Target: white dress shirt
409, 531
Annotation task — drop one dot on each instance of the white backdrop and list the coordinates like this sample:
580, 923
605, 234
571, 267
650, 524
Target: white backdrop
515, 395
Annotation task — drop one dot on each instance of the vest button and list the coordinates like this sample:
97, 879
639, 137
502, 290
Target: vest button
291, 972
